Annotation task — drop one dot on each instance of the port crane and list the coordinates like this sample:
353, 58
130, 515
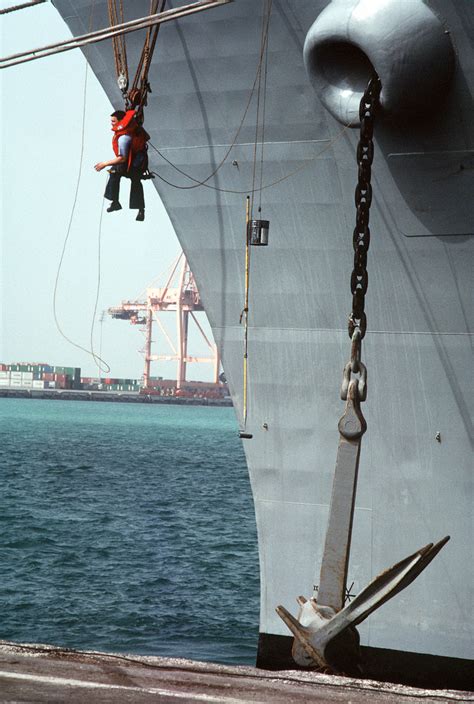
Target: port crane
179, 295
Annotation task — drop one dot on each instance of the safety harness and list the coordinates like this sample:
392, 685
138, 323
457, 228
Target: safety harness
129, 126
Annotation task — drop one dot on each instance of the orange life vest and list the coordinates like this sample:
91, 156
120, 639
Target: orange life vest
128, 126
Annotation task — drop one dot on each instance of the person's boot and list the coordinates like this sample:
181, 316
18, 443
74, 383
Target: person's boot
141, 215
115, 205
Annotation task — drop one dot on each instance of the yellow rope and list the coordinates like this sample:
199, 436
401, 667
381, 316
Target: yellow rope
245, 312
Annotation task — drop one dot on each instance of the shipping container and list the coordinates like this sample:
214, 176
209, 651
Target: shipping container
27, 383
15, 375
4, 382
70, 371
4, 375
27, 375
3, 367
15, 382
39, 384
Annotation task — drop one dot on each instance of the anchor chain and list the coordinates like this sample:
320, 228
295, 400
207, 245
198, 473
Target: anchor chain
357, 324
363, 200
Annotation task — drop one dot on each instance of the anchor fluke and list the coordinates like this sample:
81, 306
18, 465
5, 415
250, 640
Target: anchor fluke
303, 652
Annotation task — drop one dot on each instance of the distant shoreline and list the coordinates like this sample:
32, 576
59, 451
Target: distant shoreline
111, 396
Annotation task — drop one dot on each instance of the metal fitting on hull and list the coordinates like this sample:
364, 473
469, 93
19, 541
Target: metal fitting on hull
404, 42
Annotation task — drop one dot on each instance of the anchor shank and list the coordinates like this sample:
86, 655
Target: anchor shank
333, 575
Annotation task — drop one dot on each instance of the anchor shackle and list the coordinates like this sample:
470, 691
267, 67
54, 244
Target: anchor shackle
405, 43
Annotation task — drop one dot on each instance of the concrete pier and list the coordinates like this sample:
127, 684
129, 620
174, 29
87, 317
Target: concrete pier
45, 674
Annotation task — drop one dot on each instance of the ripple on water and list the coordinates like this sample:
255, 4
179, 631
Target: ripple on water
128, 528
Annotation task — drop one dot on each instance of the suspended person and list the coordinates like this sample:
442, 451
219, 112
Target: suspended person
131, 160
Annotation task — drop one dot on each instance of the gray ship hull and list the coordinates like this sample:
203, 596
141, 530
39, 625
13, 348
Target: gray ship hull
413, 488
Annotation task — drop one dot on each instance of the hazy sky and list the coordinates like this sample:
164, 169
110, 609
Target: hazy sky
41, 125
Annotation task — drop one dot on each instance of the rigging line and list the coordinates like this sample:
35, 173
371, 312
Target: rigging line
203, 182
97, 359
68, 231
257, 120
122, 43
23, 6
146, 46
146, 56
149, 42
264, 107
118, 42
308, 163
71, 217
254, 168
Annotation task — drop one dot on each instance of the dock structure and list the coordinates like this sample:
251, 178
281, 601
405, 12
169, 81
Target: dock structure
43, 673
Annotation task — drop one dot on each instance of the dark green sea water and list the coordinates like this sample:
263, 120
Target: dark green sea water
127, 528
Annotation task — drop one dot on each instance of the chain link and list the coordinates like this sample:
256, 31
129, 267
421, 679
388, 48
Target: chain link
363, 200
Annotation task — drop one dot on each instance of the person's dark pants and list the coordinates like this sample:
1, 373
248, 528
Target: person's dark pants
112, 190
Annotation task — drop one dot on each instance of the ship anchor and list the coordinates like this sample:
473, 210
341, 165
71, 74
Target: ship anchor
324, 632
320, 621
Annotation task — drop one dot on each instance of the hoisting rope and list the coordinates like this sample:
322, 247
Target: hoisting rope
138, 94
119, 46
136, 97
23, 6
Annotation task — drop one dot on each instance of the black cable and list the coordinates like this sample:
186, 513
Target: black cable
247, 190
203, 182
